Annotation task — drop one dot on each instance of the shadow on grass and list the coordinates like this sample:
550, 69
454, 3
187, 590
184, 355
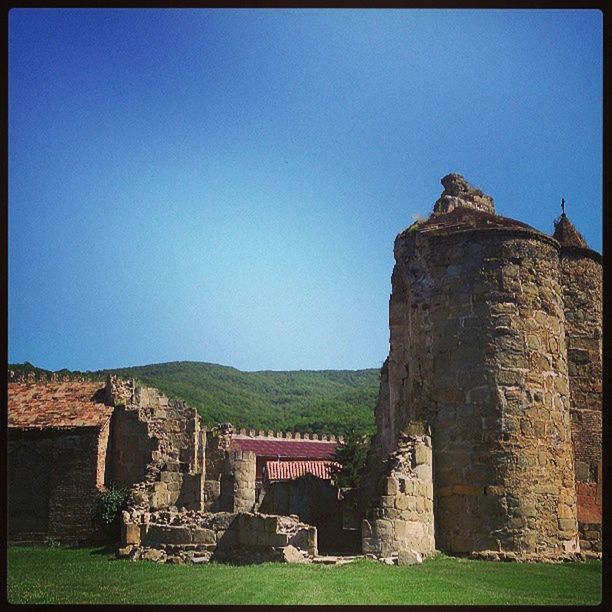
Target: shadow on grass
106, 549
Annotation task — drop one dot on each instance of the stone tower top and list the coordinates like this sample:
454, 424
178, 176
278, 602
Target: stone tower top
567, 234
458, 192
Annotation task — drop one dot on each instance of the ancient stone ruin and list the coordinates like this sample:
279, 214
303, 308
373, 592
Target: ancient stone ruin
488, 424
495, 346
194, 494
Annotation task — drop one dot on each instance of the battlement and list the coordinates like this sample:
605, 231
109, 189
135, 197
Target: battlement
289, 435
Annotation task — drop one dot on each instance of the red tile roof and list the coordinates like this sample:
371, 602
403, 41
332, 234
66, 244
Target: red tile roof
290, 470
272, 447
55, 405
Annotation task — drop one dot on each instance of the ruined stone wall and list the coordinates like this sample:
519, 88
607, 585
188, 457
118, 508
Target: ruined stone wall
131, 446
103, 458
167, 536
54, 476
478, 352
217, 441
314, 500
157, 447
401, 516
581, 275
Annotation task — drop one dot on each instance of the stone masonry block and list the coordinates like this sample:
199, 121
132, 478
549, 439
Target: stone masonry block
422, 454
130, 534
391, 486
423, 472
271, 524
276, 539
567, 524
203, 536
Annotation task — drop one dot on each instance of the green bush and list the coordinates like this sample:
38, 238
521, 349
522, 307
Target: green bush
51, 542
106, 512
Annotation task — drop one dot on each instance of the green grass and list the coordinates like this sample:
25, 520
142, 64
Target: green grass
58, 576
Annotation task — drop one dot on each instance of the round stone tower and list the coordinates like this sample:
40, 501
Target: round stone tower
581, 280
477, 350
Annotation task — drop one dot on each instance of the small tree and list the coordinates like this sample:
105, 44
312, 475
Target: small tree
106, 511
352, 456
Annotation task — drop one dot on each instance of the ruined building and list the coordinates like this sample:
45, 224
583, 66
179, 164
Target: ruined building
191, 491
69, 439
489, 413
488, 423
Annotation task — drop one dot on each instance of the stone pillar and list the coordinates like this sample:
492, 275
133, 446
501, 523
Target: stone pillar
402, 518
242, 466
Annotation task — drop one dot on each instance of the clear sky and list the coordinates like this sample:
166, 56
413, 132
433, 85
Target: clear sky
225, 185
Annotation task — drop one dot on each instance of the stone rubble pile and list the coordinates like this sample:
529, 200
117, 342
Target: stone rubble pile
192, 536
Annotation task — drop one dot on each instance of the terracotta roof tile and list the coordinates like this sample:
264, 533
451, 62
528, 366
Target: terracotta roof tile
290, 470
55, 405
567, 234
272, 447
462, 218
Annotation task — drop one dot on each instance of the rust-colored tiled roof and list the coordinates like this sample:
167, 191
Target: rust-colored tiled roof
290, 470
273, 447
463, 218
55, 405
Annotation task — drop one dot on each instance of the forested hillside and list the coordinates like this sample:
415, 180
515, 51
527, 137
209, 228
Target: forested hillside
324, 401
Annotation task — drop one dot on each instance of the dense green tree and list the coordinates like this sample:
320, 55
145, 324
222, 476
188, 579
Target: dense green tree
352, 456
323, 402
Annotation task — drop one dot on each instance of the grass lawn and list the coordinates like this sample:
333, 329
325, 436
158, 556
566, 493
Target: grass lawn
47, 575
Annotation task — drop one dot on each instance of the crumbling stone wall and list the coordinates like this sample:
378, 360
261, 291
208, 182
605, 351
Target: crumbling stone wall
477, 351
315, 501
581, 276
401, 517
157, 442
219, 483
167, 536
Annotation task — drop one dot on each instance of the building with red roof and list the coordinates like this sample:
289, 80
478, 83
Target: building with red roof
57, 457
309, 452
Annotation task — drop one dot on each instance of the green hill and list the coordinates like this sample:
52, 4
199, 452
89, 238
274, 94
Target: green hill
323, 401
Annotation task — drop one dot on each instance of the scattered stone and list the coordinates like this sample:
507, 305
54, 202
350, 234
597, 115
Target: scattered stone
153, 554
201, 558
389, 560
125, 551
409, 557
290, 554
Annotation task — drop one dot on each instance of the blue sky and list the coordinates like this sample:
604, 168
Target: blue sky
226, 185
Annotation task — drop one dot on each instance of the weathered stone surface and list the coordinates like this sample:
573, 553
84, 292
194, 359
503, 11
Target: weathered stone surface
401, 521
203, 536
245, 537
153, 554
409, 557
458, 192
478, 314
130, 534
292, 555
125, 551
